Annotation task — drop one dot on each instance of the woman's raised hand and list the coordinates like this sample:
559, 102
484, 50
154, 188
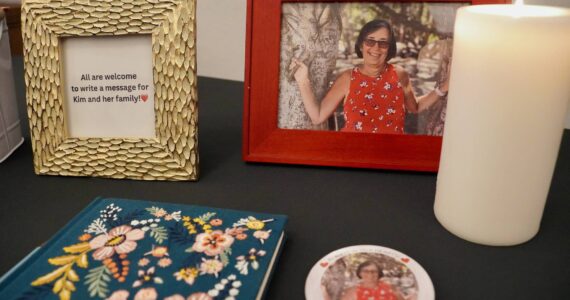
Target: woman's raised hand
444, 82
301, 70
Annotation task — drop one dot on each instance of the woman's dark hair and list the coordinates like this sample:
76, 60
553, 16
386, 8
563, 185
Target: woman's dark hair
369, 28
366, 264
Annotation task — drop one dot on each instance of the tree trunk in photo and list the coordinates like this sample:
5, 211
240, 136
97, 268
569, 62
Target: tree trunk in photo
310, 32
435, 58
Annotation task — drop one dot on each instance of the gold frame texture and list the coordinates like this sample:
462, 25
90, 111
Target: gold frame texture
173, 153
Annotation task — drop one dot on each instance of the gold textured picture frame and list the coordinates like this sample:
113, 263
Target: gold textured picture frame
173, 153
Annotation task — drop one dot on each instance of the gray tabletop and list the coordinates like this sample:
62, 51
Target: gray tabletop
329, 208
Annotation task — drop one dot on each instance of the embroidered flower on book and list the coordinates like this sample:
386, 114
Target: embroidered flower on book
146, 294
262, 235
211, 266
250, 260
252, 223
187, 274
147, 276
120, 239
213, 243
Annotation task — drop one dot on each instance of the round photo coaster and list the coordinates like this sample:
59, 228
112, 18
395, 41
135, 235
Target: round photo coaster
368, 272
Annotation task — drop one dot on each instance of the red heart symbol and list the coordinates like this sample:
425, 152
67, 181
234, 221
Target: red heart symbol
144, 97
405, 260
324, 264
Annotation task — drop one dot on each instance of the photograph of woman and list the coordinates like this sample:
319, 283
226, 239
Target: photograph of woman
367, 276
371, 286
376, 95
386, 79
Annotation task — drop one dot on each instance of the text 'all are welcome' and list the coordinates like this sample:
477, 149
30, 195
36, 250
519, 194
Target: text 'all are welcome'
109, 90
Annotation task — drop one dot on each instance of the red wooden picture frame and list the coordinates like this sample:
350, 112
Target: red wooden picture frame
263, 141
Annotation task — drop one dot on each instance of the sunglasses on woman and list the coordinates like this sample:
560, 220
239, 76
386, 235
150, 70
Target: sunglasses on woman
381, 44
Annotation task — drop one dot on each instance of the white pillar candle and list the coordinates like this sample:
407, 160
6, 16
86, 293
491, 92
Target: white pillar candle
509, 91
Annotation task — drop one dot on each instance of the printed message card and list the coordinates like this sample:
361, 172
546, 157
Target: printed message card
108, 84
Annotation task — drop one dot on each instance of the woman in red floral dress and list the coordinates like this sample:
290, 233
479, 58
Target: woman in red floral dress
370, 286
376, 94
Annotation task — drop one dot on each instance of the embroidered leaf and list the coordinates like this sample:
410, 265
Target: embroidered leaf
245, 221
153, 210
69, 286
77, 248
189, 224
82, 262
127, 218
53, 275
240, 222
62, 260
225, 259
189, 250
207, 216
72, 275
242, 267
180, 235
255, 265
159, 234
225, 256
58, 285
96, 227
110, 212
36, 293
97, 281
193, 259
176, 215
65, 295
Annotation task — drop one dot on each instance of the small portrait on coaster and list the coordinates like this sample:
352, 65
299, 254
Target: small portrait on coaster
368, 276
365, 67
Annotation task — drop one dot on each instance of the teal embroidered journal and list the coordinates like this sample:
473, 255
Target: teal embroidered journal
127, 249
